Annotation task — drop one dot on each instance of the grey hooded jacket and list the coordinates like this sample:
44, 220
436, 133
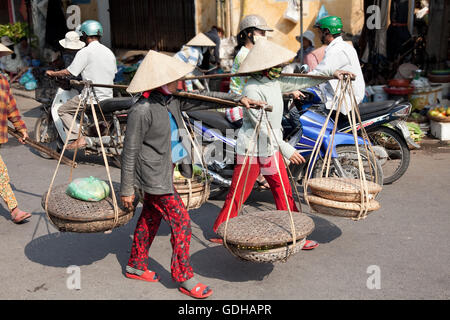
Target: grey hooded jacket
146, 156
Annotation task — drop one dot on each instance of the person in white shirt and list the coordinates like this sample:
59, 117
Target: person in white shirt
339, 55
12, 64
95, 63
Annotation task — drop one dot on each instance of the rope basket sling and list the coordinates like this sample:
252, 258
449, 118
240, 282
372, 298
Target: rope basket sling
68, 214
195, 191
341, 196
265, 236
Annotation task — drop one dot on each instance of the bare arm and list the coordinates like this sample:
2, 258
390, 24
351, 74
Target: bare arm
60, 73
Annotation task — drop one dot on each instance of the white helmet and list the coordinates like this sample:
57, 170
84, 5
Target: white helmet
254, 21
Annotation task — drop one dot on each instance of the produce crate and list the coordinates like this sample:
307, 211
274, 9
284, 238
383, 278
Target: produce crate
440, 130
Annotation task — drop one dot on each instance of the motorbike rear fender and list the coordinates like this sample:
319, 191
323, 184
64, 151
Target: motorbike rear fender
61, 97
311, 134
346, 139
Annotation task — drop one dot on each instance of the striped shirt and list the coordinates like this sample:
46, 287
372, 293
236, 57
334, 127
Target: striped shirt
8, 111
237, 85
193, 56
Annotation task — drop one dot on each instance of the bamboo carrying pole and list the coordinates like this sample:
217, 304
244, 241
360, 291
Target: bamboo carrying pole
216, 100
36, 145
179, 94
226, 75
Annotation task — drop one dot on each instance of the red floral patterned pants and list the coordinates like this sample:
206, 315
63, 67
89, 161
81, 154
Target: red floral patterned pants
169, 207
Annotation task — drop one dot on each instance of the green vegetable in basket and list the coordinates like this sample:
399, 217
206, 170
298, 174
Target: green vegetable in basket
197, 170
416, 133
88, 189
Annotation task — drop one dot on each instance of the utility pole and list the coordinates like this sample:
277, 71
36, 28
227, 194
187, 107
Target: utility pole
301, 32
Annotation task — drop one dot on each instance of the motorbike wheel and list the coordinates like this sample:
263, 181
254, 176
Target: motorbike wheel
348, 159
397, 150
45, 133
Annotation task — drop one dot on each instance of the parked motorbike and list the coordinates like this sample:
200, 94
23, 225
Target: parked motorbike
384, 122
219, 141
49, 128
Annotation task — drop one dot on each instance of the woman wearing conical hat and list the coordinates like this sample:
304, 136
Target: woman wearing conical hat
192, 53
264, 63
154, 143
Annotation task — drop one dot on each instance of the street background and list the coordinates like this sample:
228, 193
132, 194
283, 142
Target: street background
407, 239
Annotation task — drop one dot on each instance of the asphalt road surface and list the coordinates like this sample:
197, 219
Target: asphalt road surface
399, 252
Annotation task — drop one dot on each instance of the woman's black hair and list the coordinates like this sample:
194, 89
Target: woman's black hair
242, 38
13, 55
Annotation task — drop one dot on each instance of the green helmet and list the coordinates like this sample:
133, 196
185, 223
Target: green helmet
91, 28
332, 23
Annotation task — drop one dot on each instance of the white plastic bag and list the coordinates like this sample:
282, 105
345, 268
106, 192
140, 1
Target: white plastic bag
292, 12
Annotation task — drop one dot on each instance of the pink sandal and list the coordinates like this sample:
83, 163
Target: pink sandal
149, 276
310, 244
19, 215
200, 291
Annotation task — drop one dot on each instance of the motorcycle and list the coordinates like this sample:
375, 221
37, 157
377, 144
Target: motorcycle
385, 125
49, 128
219, 141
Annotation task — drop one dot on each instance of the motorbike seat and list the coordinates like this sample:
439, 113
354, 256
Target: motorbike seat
376, 107
116, 104
370, 110
213, 119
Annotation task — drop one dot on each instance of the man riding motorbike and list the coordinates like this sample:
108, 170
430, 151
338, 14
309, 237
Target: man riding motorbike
95, 63
339, 55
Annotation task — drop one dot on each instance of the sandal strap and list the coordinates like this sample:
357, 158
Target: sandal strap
199, 287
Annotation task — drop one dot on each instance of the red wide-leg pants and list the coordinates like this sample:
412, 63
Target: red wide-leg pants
169, 207
267, 167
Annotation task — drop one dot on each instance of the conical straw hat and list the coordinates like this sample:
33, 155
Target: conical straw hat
156, 70
4, 51
201, 40
264, 55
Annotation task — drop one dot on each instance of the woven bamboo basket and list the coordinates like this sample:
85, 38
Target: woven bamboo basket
265, 236
340, 189
193, 194
338, 208
72, 215
438, 119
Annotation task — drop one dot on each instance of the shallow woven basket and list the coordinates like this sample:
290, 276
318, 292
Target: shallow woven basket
268, 256
437, 119
341, 189
268, 230
195, 194
338, 208
72, 215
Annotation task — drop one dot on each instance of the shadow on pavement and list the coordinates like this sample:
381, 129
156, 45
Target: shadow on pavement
33, 113
4, 212
216, 262
15, 189
324, 230
63, 249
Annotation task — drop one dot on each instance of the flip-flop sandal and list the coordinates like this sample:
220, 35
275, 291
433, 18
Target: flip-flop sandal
216, 240
19, 216
149, 276
262, 185
200, 291
310, 244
